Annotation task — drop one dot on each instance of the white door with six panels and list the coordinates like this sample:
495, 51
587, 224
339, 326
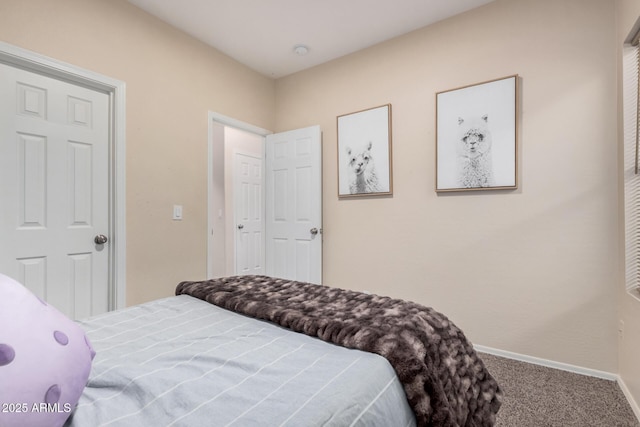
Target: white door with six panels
54, 190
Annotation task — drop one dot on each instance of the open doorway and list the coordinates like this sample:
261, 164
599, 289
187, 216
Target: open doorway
289, 193
228, 139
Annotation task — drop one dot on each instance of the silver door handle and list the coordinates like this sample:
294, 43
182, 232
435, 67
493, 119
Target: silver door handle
314, 231
240, 226
100, 239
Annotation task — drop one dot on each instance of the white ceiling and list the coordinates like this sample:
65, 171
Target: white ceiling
262, 33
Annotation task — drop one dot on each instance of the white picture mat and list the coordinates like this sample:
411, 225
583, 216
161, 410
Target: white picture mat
355, 131
496, 99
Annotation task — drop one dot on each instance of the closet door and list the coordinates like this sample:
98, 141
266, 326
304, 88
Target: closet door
54, 187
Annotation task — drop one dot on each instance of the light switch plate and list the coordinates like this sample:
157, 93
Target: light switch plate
177, 212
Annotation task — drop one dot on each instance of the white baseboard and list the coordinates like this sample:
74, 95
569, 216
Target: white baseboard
630, 399
548, 363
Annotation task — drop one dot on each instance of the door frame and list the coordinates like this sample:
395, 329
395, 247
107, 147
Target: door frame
220, 119
115, 89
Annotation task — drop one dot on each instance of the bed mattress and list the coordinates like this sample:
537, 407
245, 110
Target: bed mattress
181, 361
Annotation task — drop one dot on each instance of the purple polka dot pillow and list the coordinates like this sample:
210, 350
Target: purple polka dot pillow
45, 360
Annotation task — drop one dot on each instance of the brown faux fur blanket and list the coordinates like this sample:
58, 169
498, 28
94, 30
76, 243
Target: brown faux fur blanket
445, 381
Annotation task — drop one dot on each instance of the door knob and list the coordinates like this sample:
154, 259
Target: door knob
240, 226
100, 239
314, 231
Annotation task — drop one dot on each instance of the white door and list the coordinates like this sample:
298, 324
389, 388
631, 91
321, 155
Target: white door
294, 205
249, 217
54, 169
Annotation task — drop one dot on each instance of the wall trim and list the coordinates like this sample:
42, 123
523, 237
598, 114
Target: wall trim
547, 363
230, 121
50, 67
627, 393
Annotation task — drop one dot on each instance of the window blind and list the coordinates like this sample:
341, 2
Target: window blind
631, 117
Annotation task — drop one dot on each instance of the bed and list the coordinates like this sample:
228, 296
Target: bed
181, 361
255, 350
241, 351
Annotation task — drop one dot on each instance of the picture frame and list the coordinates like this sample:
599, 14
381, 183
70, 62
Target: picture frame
364, 153
477, 136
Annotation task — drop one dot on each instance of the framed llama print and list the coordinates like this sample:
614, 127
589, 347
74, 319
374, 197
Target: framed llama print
476, 136
364, 153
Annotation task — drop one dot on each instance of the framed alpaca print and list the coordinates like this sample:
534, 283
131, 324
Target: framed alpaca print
364, 153
476, 136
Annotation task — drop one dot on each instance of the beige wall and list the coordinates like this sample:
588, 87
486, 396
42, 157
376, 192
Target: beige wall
532, 271
629, 308
172, 81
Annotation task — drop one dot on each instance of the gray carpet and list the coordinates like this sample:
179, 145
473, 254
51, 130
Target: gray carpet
536, 396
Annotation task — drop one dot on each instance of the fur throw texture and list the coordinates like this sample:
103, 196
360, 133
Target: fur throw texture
445, 381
